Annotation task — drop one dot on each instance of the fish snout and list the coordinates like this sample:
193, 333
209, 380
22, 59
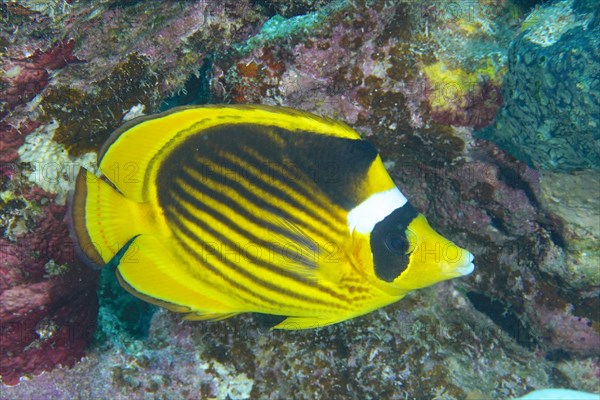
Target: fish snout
458, 262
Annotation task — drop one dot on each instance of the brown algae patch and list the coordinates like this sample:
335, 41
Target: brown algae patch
88, 118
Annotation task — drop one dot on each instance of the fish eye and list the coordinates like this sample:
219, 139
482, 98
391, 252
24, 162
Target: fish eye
396, 243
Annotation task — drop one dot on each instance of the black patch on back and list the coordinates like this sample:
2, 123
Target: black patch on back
336, 165
389, 243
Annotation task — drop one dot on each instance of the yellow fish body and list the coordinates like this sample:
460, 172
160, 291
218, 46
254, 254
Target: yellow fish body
218, 210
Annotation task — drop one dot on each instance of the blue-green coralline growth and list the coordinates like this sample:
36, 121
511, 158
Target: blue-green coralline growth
121, 317
551, 112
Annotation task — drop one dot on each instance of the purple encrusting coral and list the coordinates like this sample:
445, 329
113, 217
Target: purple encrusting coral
48, 302
25, 78
415, 78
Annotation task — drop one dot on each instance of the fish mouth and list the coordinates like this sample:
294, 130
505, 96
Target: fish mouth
466, 268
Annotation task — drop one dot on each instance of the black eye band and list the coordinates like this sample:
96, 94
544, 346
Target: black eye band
389, 244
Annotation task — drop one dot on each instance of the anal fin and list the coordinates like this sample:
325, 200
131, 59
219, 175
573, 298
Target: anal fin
209, 316
148, 270
295, 323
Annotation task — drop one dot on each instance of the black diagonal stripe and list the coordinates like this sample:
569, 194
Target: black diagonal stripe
181, 211
254, 279
179, 191
260, 203
271, 190
247, 194
290, 180
256, 261
236, 227
338, 167
175, 203
241, 288
228, 202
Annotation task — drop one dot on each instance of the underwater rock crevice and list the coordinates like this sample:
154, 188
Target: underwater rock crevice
505, 318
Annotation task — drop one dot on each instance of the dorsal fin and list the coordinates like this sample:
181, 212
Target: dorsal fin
131, 156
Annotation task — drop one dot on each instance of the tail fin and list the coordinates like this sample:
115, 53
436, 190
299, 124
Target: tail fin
100, 218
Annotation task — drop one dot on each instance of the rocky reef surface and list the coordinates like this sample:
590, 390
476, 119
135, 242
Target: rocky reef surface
416, 78
550, 116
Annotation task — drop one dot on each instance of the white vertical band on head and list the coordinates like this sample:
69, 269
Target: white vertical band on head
364, 216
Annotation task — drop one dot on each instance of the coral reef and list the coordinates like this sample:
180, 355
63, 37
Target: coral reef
416, 78
121, 317
403, 94
464, 98
558, 394
70, 73
432, 344
552, 92
11, 138
575, 199
47, 300
361, 62
289, 9
22, 79
493, 203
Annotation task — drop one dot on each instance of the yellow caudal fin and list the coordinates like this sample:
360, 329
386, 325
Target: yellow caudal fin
100, 218
148, 270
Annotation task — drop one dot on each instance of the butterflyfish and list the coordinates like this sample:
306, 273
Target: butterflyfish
214, 211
